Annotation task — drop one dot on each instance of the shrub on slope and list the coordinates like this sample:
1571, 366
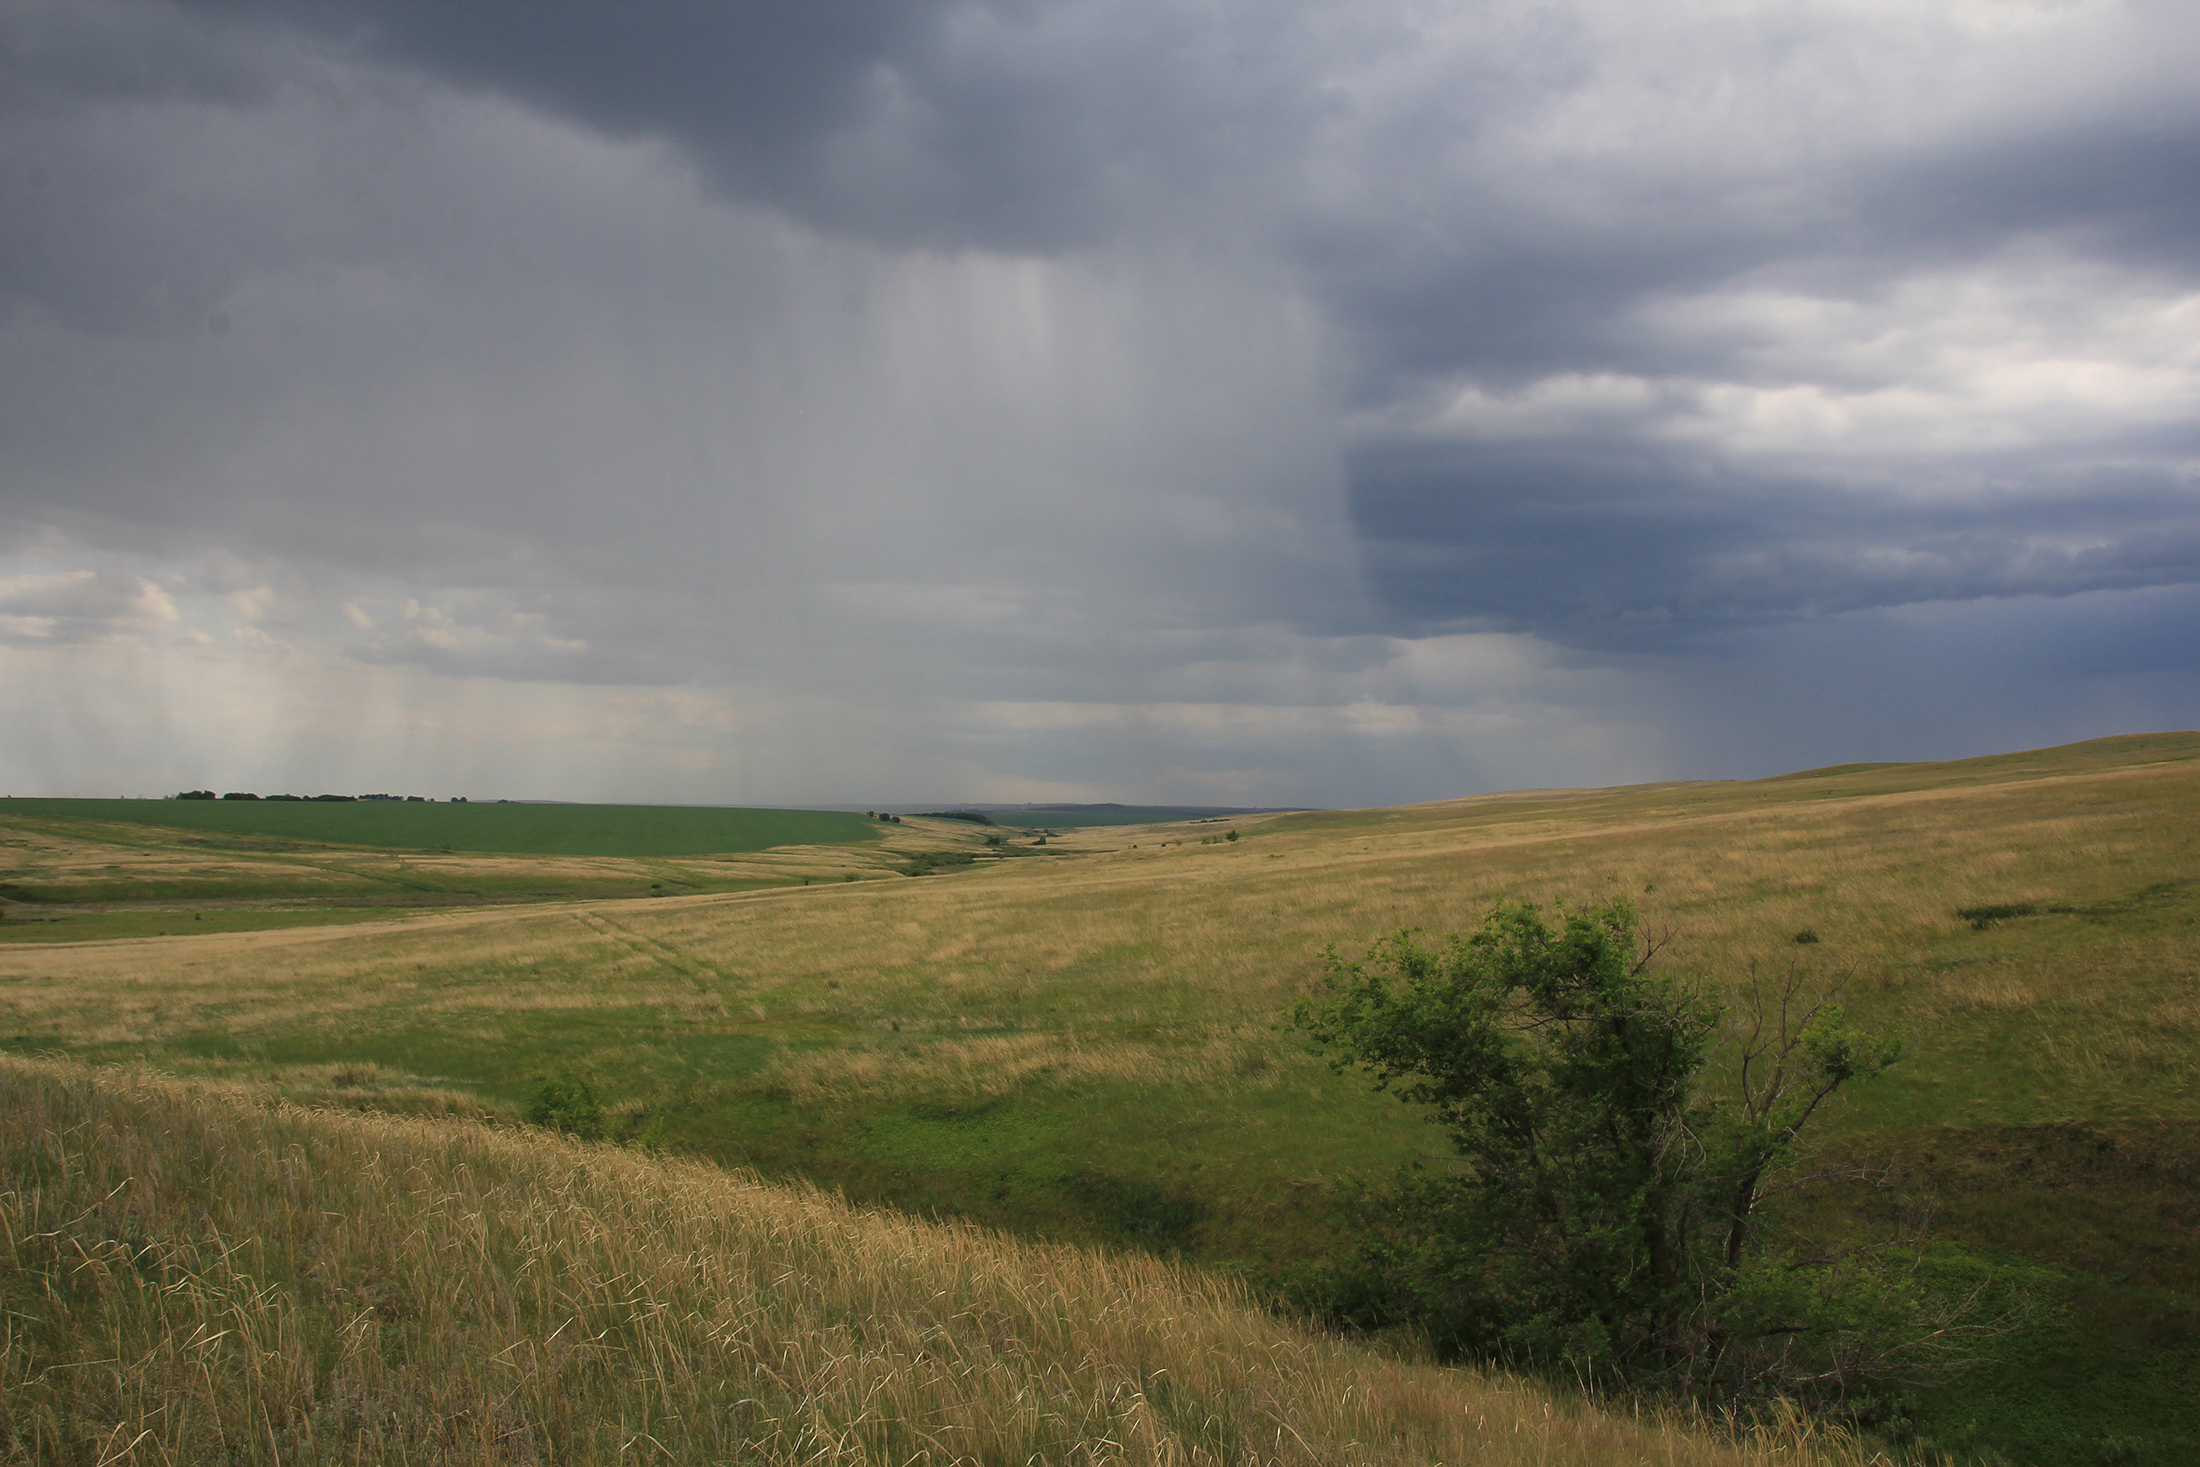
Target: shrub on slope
190, 1276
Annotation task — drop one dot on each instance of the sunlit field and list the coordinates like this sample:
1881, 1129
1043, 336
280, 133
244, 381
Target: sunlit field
1078, 1043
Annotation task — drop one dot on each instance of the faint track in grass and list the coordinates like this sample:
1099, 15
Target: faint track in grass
662, 953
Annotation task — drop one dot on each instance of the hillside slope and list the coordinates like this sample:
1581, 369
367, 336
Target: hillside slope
1081, 1046
190, 1276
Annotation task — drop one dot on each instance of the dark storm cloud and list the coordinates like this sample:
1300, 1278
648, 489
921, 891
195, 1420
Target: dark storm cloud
150, 165
931, 122
1633, 546
1357, 384
57, 57
1481, 224
754, 87
1507, 283
2121, 186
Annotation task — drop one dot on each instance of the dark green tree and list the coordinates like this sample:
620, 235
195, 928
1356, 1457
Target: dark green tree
1607, 1215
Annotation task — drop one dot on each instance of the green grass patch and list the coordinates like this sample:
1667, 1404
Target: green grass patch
30, 925
544, 830
2090, 1225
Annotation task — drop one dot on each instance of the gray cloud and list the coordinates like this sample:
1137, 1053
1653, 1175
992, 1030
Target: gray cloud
68, 608
1636, 545
1295, 402
946, 123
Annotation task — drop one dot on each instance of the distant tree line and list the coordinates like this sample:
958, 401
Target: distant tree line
248, 795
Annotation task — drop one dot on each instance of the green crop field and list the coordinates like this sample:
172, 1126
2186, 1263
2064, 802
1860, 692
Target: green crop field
542, 830
72, 871
1080, 1043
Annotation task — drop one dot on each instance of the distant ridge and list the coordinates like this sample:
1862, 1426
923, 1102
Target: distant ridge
1068, 813
1148, 809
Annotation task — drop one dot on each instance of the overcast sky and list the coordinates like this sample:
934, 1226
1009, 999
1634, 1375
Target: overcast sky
1225, 401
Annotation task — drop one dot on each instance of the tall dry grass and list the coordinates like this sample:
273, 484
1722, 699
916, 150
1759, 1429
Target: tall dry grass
192, 1276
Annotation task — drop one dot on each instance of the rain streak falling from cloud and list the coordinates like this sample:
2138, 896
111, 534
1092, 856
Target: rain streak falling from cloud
1237, 403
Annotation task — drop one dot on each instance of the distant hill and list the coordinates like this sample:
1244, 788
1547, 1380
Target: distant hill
1059, 816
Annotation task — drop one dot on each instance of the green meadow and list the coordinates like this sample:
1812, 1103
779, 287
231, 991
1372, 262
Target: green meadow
524, 829
1080, 1045
81, 870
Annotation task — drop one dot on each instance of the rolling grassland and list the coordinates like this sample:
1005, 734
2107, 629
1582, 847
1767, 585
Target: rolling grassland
197, 1276
1079, 1045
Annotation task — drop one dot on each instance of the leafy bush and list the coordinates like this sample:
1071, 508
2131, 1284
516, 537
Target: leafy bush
1984, 917
924, 863
1607, 1220
566, 1102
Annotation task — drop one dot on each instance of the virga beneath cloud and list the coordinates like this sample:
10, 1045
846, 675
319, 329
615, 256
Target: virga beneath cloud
1252, 403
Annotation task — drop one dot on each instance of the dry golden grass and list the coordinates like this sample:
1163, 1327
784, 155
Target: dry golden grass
193, 1277
1140, 953
42, 855
993, 1066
